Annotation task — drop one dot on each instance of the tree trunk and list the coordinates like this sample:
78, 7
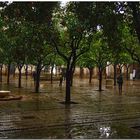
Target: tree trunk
120, 68
71, 83
52, 74
100, 79
6, 69
127, 74
1, 73
81, 72
115, 74
8, 73
19, 78
68, 87
31, 70
26, 72
90, 74
14, 71
56, 70
38, 70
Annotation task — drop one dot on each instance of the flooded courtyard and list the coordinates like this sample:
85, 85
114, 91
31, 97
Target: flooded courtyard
94, 114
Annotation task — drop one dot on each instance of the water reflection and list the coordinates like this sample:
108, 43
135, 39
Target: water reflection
118, 105
99, 107
104, 131
68, 121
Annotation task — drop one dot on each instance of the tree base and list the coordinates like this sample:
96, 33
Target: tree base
68, 103
18, 87
99, 90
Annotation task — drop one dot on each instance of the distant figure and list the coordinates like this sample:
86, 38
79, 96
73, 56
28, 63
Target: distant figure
120, 83
64, 76
63, 73
61, 79
34, 76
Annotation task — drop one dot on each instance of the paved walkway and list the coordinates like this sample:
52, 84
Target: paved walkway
103, 114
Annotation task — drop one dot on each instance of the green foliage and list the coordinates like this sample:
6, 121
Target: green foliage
33, 12
86, 14
99, 53
69, 34
130, 44
25, 31
28, 28
134, 9
7, 46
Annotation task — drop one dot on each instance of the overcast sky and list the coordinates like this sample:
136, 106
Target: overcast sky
63, 3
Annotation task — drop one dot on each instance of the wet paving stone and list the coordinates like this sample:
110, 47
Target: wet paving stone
103, 114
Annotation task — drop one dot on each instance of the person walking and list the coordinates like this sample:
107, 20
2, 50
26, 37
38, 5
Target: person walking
120, 83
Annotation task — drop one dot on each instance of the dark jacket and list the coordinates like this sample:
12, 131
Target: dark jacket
120, 79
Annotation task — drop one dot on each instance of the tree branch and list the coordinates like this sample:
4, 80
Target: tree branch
58, 51
83, 51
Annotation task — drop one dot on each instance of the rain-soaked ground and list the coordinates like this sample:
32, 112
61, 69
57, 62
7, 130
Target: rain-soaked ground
97, 114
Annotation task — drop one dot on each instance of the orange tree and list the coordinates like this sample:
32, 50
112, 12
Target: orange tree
7, 45
71, 39
98, 55
37, 19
